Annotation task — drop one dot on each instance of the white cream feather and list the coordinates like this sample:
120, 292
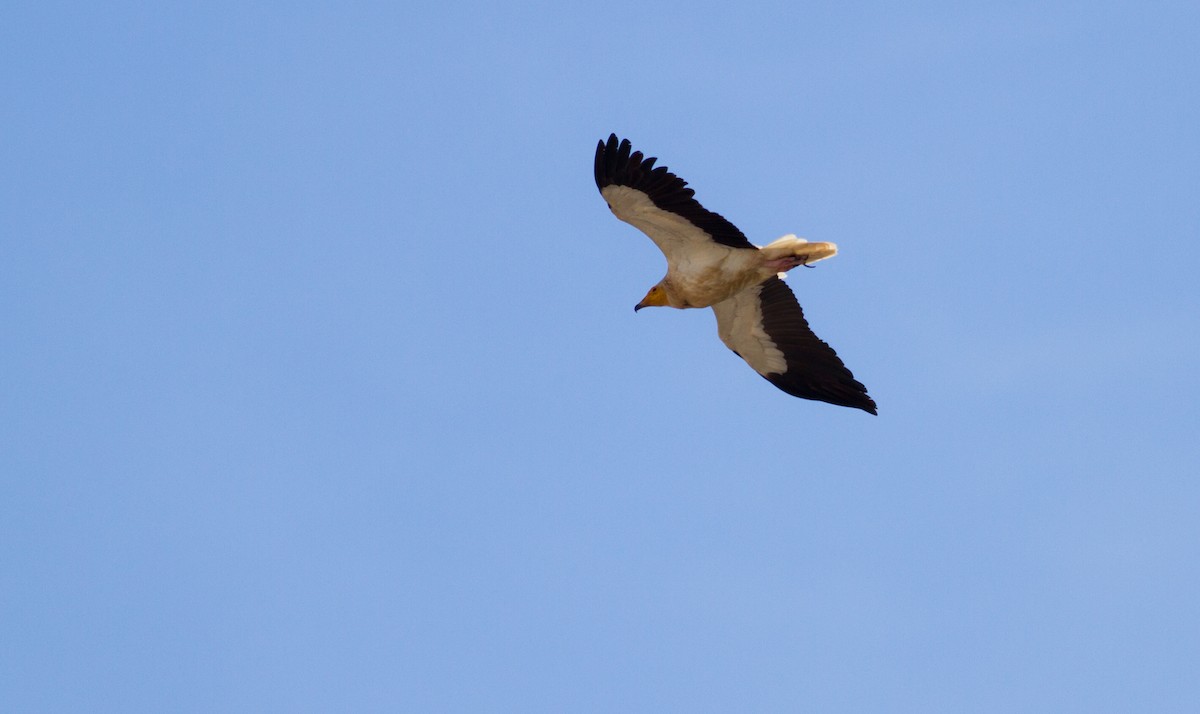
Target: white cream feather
740, 327
700, 271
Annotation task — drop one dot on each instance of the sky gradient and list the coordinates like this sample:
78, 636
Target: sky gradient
323, 390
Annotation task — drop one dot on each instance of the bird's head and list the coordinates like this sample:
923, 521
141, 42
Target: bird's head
657, 297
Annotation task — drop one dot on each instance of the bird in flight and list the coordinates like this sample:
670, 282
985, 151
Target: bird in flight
710, 263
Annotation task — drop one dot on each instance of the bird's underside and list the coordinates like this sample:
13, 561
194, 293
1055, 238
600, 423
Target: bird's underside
710, 263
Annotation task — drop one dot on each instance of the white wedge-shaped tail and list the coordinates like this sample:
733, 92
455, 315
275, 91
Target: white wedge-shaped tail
791, 246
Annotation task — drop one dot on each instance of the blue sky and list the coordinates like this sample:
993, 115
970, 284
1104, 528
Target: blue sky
324, 392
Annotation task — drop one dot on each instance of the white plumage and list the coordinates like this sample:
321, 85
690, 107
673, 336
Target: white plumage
710, 263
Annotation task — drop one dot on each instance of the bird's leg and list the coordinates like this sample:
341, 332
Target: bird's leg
786, 263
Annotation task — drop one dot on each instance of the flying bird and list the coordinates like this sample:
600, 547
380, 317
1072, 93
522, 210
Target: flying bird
710, 263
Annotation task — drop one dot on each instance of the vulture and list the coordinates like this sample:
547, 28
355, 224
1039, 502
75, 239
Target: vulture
710, 263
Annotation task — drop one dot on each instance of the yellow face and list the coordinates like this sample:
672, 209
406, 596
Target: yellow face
657, 297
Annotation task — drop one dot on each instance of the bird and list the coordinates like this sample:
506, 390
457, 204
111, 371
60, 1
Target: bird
710, 263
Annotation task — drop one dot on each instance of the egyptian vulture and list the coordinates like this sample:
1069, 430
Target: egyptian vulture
711, 264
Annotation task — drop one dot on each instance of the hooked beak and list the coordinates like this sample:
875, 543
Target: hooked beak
657, 297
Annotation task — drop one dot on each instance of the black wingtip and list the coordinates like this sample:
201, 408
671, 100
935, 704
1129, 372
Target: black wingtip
862, 401
814, 370
851, 394
618, 164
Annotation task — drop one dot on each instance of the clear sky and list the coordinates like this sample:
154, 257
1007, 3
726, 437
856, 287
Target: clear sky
323, 391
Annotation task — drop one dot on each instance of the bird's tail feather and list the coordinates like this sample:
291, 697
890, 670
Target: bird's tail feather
804, 252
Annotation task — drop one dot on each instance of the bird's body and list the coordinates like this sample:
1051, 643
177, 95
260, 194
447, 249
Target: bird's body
710, 263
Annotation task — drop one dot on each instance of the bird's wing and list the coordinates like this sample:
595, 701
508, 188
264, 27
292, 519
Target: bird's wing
765, 326
660, 204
